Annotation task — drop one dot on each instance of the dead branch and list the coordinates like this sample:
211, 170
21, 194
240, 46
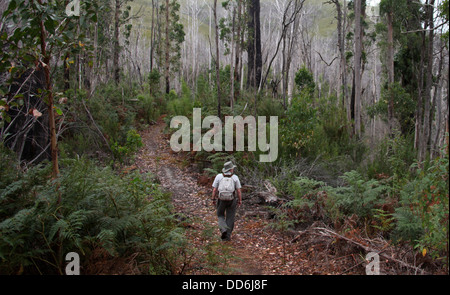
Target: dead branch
95, 124
328, 64
269, 195
329, 233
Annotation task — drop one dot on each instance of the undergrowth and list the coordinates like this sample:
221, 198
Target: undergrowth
86, 209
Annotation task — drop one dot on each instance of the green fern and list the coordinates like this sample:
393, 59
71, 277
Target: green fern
84, 209
359, 196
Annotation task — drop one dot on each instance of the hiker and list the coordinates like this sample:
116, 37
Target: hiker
226, 186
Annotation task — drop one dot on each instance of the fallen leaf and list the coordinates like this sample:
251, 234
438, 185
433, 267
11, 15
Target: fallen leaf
36, 113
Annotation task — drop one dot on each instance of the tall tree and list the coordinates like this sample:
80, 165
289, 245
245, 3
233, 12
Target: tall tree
121, 16
116, 51
216, 26
387, 7
238, 42
357, 68
171, 38
424, 141
341, 46
152, 35
254, 44
167, 46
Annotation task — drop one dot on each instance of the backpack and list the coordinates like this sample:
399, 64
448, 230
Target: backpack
226, 189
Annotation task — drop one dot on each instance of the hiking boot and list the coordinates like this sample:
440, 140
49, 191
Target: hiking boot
224, 236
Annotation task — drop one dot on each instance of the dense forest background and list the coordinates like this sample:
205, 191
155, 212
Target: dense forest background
360, 89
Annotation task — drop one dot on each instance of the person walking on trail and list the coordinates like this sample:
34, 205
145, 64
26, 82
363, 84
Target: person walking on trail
227, 188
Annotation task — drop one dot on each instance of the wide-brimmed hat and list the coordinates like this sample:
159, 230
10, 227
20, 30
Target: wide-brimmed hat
228, 166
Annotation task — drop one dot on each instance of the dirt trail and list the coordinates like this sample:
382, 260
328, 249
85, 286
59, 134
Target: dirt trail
192, 203
256, 248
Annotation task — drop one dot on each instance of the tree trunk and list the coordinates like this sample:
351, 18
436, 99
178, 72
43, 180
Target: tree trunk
231, 60
341, 45
428, 83
424, 104
283, 70
352, 104
216, 26
49, 88
357, 65
238, 44
167, 49
390, 66
116, 43
152, 37
437, 105
254, 45
419, 108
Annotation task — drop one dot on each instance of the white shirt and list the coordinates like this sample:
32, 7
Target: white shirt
219, 177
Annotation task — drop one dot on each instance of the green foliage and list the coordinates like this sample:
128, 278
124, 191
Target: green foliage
132, 144
180, 107
267, 106
176, 35
392, 158
423, 216
8, 163
149, 108
359, 196
305, 193
23, 44
34, 24
404, 106
297, 127
104, 120
154, 81
87, 208
330, 137
444, 13
204, 91
305, 80
303, 186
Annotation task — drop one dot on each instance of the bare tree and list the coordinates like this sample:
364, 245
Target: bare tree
289, 16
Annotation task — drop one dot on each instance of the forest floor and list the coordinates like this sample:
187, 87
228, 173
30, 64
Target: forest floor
255, 247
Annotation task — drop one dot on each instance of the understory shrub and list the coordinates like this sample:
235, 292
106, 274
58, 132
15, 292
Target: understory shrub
297, 127
356, 196
87, 208
422, 218
94, 123
131, 145
149, 108
410, 207
359, 196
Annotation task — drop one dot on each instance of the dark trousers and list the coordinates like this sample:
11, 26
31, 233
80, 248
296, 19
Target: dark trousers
226, 211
